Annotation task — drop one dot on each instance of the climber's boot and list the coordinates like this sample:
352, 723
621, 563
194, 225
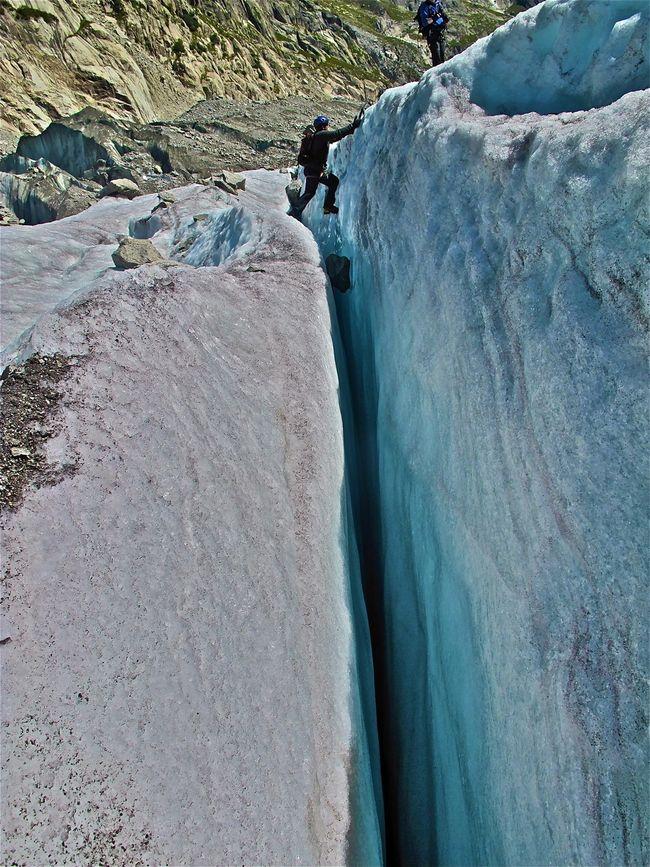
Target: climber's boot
331, 209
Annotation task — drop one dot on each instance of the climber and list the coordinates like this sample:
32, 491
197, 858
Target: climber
433, 19
314, 149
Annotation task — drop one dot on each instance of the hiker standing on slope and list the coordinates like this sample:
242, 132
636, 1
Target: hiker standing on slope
433, 19
314, 150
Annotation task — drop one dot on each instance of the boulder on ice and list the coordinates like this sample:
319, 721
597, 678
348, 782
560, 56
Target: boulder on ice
121, 187
133, 252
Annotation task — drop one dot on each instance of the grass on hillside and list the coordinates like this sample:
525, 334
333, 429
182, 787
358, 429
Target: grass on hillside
29, 13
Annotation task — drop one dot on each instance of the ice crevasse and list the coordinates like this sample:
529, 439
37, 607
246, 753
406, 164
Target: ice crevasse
495, 341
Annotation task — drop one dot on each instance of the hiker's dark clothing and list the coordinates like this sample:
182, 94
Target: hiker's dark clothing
320, 147
430, 12
315, 173
329, 179
436, 42
433, 19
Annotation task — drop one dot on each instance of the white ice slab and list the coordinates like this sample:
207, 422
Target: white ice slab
177, 688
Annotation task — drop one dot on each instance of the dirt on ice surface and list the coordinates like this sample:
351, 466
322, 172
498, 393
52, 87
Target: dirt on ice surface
176, 636
30, 396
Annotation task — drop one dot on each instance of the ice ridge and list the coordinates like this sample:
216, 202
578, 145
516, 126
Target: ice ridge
183, 678
563, 55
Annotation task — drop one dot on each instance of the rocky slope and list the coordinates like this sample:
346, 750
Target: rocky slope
144, 59
56, 173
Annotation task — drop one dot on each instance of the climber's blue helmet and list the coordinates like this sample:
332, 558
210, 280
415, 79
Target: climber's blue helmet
321, 121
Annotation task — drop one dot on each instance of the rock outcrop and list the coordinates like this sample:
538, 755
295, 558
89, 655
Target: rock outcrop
121, 188
145, 61
36, 191
8, 217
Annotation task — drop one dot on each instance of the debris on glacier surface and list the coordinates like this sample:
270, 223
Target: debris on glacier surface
179, 671
134, 252
495, 334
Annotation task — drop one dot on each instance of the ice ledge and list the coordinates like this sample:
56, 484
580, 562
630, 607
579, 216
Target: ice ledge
177, 684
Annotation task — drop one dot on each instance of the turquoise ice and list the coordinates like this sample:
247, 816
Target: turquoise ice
496, 339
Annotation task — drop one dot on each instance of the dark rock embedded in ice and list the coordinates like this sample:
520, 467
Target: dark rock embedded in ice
338, 270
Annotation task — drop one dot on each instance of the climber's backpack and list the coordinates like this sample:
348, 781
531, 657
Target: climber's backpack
305, 152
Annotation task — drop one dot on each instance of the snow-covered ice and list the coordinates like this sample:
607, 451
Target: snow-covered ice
496, 338
180, 683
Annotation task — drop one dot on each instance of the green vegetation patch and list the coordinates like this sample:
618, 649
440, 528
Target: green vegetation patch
118, 8
473, 23
29, 13
353, 14
398, 13
198, 46
84, 25
190, 20
335, 64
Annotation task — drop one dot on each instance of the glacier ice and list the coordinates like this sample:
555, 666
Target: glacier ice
44, 265
180, 686
563, 55
190, 675
226, 232
496, 342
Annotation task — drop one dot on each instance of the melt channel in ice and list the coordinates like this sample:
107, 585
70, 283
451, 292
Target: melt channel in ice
179, 667
495, 334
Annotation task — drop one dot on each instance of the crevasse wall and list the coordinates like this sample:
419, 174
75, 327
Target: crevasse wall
496, 336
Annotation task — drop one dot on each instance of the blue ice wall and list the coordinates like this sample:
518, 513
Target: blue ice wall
367, 843
496, 336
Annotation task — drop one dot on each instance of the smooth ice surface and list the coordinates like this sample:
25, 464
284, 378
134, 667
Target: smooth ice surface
496, 337
180, 686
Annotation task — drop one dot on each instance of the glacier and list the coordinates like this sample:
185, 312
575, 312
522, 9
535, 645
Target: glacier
182, 628
357, 578
495, 341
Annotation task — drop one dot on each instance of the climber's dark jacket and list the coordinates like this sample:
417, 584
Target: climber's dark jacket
429, 13
320, 148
